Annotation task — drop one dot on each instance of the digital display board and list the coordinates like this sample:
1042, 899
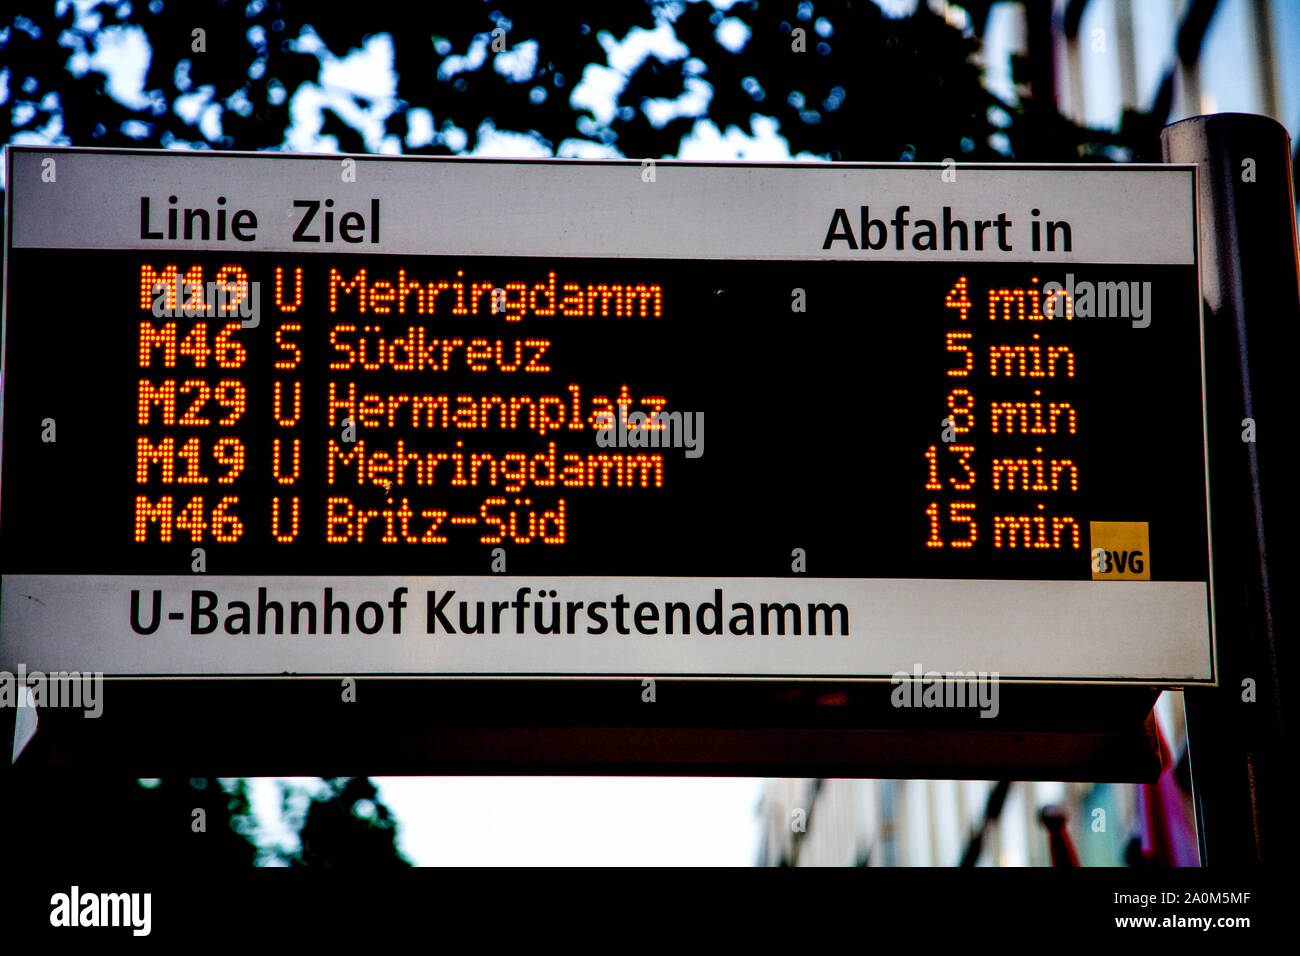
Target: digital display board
260, 417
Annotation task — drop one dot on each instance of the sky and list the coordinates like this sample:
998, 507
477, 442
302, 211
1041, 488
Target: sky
551, 821
593, 821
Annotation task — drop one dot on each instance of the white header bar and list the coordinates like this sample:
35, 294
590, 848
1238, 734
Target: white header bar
273, 202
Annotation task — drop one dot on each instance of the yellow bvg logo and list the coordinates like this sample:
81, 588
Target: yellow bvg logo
1121, 551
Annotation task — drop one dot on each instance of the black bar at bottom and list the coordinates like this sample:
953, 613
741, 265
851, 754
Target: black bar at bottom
304, 727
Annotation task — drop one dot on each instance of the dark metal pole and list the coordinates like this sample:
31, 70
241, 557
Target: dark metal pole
1239, 739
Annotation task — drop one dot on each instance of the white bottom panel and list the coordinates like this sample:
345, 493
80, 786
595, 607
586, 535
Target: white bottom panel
1147, 631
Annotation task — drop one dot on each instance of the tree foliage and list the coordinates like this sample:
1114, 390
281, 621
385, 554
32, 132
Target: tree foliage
348, 826
177, 823
855, 85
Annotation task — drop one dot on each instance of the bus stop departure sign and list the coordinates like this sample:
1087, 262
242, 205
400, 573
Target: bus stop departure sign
269, 414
